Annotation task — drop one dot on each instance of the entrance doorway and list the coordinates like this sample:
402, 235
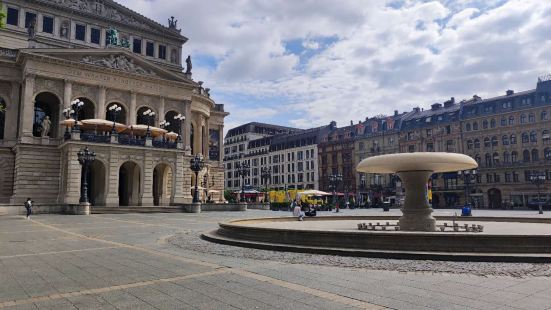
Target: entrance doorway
494, 198
96, 183
129, 184
162, 185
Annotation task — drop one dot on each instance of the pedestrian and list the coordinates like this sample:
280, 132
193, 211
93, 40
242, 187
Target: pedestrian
297, 211
29, 206
337, 207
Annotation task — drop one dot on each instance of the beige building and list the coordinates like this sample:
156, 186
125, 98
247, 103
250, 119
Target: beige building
99, 52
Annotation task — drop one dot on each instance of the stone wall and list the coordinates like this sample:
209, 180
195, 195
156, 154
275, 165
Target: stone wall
7, 163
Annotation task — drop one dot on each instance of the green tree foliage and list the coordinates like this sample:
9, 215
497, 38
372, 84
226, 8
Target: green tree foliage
2, 17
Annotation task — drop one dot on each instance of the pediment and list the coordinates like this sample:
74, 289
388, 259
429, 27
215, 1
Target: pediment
112, 58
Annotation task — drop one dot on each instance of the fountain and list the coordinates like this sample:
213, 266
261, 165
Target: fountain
415, 169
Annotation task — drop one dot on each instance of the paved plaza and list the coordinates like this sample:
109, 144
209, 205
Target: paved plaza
158, 261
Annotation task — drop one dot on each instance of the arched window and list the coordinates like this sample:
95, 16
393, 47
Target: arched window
142, 119
547, 153
120, 115
485, 124
2, 117
46, 114
506, 157
475, 126
174, 124
505, 140
468, 127
535, 155
493, 123
496, 159
486, 142
525, 137
533, 136
494, 141
477, 159
469, 144
523, 118
503, 121
543, 115
87, 111
511, 120
545, 135
488, 160
531, 118
513, 139
526, 156
476, 143
514, 156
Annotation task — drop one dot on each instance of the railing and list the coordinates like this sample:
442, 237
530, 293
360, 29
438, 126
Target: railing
90, 137
124, 139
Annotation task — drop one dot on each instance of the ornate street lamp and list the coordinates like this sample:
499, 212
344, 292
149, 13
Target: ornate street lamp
334, 180
196, 164
149, 117
68, 113
163, 125
538, 178
468, 177
179, 118
76, 107
243, 170
114, 110
85, 158
266, 175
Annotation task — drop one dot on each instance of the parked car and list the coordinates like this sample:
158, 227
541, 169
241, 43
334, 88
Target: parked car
534, 204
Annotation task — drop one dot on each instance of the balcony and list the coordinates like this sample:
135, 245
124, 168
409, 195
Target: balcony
123, 139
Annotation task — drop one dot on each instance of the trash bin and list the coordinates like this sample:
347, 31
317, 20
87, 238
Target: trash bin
466, 211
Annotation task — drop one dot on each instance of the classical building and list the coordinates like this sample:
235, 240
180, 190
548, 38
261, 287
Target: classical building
106, 56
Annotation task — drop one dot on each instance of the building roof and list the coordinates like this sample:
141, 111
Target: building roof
260, 128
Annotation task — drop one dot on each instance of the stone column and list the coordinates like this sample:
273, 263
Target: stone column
181, 188
10, 127
221, 144
187, 126
72, 176
67, 93
132, 112
112, 186
205, 141
100, 109
162, 110
27, 111
416, 213
147, 192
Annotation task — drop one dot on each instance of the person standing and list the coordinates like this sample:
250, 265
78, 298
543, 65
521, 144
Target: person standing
297, 211
29, 206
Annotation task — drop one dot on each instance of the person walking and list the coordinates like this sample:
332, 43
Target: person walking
29, 206
297, 210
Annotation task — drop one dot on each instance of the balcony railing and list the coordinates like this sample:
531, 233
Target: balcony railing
124, 139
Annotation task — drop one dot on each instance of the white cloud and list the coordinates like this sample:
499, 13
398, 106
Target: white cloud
383, 58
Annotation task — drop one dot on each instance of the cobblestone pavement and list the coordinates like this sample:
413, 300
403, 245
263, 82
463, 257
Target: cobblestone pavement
157, 261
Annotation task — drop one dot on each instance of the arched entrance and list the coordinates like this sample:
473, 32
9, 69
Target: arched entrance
129, 184
96, 183
174, 125
121, 115
162, 185
46, 108
141, 119
494, 198
88, 109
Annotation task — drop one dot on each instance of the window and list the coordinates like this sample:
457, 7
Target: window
162, 51
547, 153
497, 178
477, 159
506, 157
429, 132
523, 119
494, 141
493, 123
533, 136
149, 49
95, 35
525, 138
430, 147
513, 139
488, 160
531, 118
489, 178
505, 140
13, 17
515, 176
545, 136
448, 129
411, 148
485, 124
487, 142
535, 155
468, 127
526, 156
476, 143
495, 159
137, 46
514, 156
28, 18
469, 144
503, 121
475, 126
544, 116
80, 32
511, 120
508, 177
47, 24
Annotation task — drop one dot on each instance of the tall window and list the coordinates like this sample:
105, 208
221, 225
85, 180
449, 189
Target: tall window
544, 116
503, 121
475, 126
13, 17
535, 155
137, 46
493, 123
469, 144
505, 140
162, 51
531, 118
95, 35
80, 32
506, 157
525, 138
488, 160
28, 18
485, 124
468, 127
514, 156
547, 153
533, 136
513, 139
526, 156
511, 120
494, 141
149, 49
47, 24
523, 118
486, 142
476, 143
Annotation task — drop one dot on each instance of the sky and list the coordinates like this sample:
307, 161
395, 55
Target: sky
305, 63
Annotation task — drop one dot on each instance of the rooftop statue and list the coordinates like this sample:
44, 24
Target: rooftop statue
188, 65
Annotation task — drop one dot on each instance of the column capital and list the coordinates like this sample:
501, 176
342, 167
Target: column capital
102, 87
30, 75
67, 81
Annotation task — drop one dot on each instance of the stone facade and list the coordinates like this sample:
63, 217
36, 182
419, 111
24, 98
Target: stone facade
41, 77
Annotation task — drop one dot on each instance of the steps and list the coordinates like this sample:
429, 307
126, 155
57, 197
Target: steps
137, 209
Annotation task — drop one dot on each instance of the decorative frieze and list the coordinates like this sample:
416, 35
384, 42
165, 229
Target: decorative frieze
119, 62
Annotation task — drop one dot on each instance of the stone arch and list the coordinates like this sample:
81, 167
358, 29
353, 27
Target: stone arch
174, 125
139, 115
122, 117
97, 182
46, 104
89, 109
130, 183
163, 184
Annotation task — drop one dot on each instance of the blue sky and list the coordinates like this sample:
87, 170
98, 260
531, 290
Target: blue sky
305, 63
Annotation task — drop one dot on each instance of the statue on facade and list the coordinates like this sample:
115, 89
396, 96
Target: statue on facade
32, 29
112, 36
172, 22
188, 64
46, 126
64, 30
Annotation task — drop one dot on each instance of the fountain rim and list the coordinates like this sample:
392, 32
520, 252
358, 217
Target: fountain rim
436, 162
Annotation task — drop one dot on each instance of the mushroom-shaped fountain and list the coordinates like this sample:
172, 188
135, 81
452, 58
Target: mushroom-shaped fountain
414, 169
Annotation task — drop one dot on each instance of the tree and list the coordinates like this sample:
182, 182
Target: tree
2, 18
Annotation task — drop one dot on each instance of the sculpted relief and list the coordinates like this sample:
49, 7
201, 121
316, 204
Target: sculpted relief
118, 62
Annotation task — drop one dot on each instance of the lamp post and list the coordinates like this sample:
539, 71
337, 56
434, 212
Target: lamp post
179, 118
334, 180
163, 125
266, 174
76, 107
114, 110
85, 158
538, 178
468, 177
68, 113
243, 170
149, 117
196, 164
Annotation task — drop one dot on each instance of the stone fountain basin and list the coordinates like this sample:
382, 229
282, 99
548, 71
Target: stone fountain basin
503, 239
